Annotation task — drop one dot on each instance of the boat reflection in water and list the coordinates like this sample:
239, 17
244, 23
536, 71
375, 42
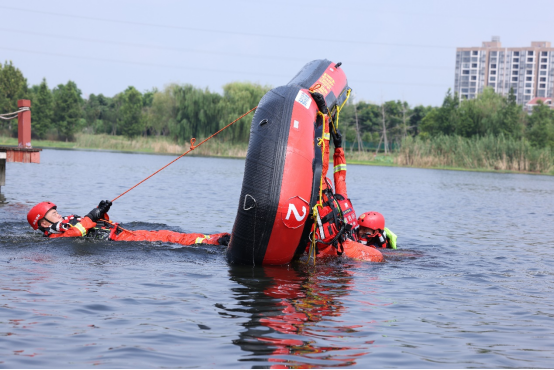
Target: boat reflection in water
295, 315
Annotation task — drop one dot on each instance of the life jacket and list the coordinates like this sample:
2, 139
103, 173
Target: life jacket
336, 220
104, 231
386, 239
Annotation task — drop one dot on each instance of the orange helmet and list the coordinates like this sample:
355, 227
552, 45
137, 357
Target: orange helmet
38, 212
372, 220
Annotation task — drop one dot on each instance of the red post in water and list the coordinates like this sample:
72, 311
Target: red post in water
24, 124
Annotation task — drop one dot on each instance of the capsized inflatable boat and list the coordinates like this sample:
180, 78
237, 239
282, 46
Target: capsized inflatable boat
283, 167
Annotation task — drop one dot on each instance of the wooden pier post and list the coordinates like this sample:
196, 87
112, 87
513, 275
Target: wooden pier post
24, 124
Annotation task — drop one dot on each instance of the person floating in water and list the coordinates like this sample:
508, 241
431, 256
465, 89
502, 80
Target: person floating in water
96, 224
337, 229
372, 231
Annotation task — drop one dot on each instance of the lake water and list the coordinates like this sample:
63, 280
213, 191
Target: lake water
471, 285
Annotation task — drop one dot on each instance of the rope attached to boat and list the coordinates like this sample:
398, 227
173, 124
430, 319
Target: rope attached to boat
192, 147
321, 142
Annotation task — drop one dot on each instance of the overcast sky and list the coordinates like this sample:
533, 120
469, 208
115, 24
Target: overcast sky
390, 50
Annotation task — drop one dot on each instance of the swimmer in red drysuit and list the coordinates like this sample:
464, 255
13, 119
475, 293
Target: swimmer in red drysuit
96, 224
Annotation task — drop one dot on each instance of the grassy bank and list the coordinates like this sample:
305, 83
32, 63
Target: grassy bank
159, 145
487, 153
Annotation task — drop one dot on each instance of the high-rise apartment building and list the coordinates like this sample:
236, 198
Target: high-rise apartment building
528, 70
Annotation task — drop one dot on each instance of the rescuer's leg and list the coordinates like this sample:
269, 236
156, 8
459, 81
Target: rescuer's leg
169, 237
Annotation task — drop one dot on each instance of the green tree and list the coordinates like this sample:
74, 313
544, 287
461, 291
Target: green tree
42, 109
541, 126
442, 120
13, 87
130, 116
239, 98
67, 109
161, 114
512, 117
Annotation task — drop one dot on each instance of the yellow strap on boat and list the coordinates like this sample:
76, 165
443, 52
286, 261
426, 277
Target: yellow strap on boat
336, 123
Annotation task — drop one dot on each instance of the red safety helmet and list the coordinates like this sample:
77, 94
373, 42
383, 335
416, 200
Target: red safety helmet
38, 212
372, 220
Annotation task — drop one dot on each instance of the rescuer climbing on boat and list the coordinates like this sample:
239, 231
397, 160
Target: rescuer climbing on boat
97, 225
337, 229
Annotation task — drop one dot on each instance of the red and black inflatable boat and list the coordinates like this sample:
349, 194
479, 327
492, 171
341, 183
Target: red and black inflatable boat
283, 168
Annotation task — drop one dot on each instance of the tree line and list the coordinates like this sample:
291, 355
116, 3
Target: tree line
183, 111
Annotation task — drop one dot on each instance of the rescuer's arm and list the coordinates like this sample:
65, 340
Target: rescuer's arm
87, 222
339, 163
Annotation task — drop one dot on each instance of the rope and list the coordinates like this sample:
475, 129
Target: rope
313, 246
192, 147
336, 126
13, 115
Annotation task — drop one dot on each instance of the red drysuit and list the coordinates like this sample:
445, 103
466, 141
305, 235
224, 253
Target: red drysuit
113, 232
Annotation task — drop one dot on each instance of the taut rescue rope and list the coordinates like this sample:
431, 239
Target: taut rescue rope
192, 147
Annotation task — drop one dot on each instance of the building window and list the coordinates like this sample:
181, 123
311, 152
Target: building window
527, 97
493, 72
528, 91
465, 65
544, 60
515, 73
529, 72
465, 60
474, 65
493, 78
465, 90
514, 79
544, 53
492, 84
528, 85
473, 84
473, 78
542, 86
516, 66
543, 73
494, 53
475, 52
474, 59
493, 65
516, 53
543, 66
515, 60
529, 60
530, 52
543, 79
465, 72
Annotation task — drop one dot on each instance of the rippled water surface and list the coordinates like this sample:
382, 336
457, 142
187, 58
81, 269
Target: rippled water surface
471, 285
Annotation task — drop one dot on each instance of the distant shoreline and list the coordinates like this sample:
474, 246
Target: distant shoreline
216, 150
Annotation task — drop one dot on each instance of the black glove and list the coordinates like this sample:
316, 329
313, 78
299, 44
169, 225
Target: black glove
337, 138
320, 101
224, 240
99, 212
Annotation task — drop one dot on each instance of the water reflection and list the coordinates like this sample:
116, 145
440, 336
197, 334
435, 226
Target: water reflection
295, 315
